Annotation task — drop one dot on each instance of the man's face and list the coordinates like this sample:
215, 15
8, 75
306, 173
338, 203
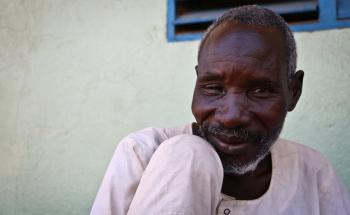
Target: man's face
241, 96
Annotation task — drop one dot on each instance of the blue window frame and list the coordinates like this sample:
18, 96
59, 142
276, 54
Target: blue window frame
188, 19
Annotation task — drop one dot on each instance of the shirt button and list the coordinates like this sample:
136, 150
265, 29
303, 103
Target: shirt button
227, 211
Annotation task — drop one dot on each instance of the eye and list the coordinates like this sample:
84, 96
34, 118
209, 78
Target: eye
261, 92
213, 89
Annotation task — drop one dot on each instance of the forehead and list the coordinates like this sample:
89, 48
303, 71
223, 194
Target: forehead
234, 41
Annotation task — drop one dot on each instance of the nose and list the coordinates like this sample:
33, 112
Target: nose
233, 112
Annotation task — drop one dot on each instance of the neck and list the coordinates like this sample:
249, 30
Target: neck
251, 185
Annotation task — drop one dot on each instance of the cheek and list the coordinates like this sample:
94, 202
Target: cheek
271, 114
202, 108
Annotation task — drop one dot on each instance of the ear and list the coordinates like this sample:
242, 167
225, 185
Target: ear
196, 68
295, 89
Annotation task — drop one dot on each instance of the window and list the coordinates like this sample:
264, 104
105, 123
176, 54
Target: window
188, 19
343, 9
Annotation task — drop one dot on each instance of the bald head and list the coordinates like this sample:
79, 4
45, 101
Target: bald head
257, 16
233, 42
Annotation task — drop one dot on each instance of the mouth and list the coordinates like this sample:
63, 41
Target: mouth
229, 144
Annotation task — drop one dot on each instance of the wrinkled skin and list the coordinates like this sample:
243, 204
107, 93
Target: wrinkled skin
242, 85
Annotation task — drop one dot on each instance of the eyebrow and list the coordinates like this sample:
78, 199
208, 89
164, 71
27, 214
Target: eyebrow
263, 81
211, 77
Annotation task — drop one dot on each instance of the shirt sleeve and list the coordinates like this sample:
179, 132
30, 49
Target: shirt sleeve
120, 181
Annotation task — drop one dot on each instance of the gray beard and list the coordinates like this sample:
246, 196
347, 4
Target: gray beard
241, 169
231, 167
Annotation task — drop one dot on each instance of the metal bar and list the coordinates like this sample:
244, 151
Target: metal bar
343, 9
296, 28
171, 20
328, 10
280, 8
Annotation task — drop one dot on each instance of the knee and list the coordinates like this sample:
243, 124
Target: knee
186, 143
190, 149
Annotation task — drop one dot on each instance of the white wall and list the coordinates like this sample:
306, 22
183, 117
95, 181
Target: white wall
77, 76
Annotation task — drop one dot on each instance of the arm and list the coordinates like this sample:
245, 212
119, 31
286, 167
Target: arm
334, 197
120, 181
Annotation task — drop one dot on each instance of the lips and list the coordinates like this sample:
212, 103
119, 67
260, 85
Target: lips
229, 144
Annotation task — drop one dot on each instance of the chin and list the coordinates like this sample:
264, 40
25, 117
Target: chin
245, 163
237, 168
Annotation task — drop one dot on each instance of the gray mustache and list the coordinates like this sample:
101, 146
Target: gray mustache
240, 133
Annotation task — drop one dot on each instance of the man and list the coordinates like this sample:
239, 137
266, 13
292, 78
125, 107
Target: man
231, 161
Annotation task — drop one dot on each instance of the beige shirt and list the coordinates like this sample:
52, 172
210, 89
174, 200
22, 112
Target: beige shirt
303, 181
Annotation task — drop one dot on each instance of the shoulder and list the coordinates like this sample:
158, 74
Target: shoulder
306, 155
305, 177
309, 164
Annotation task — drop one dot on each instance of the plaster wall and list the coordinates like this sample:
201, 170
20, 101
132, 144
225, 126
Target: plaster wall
77, 76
